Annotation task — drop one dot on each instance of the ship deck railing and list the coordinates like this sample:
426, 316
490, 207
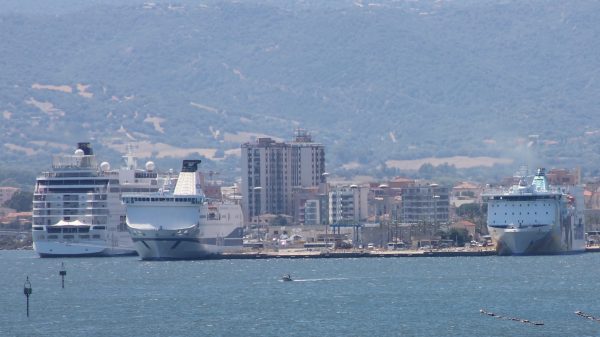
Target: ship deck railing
515, 191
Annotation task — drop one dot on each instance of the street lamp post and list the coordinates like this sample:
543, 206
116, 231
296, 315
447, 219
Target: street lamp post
385, 214
325, 190
324, 182
435, 198
256, 210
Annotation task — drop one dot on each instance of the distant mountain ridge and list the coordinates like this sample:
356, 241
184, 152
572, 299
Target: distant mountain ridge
377, 82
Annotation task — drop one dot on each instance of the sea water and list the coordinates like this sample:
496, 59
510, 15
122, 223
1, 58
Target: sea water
424, 296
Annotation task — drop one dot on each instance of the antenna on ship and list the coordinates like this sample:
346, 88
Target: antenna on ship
130, 160
522, 172
168, 182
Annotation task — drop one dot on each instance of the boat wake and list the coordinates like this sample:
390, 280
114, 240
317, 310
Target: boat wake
318, 279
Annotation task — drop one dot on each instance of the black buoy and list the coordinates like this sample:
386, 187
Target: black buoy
62, 273
27, 291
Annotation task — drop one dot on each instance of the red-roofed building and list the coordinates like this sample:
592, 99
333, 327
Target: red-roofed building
558, 177
469, 226
399, 182
465, 193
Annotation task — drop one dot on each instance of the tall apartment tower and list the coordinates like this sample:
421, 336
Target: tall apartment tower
271, 171
425, 203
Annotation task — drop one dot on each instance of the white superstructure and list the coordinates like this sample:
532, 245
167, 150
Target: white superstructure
535, 218
181, 223
77, 209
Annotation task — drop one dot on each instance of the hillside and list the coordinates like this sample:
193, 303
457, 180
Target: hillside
377, 83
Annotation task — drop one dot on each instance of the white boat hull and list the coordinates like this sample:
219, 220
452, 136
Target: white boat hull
79, 249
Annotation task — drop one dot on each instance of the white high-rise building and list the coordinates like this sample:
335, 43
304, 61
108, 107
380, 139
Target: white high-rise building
271, 170
348, 204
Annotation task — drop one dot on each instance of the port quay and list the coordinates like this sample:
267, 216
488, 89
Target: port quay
354, 253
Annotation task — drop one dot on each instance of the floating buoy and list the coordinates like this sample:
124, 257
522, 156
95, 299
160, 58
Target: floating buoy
62, 273
27, 291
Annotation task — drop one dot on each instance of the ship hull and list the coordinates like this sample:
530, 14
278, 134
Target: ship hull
88, 249
527, 241
168, 248
77, 239
542, 240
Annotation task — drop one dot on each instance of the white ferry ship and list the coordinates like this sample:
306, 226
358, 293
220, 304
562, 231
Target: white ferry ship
535, 218
77, 209
183, 224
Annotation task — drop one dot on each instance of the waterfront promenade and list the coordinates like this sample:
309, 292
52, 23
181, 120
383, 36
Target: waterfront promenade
300, 253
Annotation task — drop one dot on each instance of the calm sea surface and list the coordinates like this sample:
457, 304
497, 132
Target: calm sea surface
330, 297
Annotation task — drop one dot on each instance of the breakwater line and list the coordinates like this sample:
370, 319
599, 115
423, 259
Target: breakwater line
588, 316
508, 318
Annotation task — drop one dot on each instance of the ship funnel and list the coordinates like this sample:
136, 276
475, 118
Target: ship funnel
541, 172
539, 183
188, 182
190, 165
86, 148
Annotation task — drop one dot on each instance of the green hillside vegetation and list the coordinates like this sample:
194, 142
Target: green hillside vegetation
397, 80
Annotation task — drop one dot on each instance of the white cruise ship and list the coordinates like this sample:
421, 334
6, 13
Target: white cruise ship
529, 219
183, 223
77, 209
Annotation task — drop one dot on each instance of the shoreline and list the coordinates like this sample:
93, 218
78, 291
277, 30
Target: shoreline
291, 254
316, 254
303, 254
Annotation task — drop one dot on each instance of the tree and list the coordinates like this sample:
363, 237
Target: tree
469, 211
21, 201
279, 221
458, 235
427, 171
475, 213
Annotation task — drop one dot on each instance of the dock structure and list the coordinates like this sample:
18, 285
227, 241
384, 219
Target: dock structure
305, 254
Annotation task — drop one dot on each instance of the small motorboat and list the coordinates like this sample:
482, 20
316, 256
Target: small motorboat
286, 278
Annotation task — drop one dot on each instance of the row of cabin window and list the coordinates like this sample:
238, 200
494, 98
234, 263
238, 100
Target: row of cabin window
506, 213
520, 205
164, 199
